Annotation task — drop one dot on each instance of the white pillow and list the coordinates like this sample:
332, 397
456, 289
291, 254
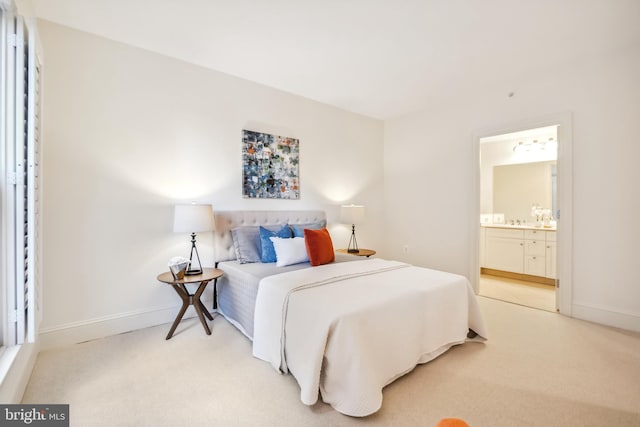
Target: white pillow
289, 251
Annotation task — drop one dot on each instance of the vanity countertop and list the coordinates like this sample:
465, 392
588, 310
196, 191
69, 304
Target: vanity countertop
519, 227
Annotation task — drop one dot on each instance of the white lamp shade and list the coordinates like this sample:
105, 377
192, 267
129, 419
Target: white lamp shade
351, 214
193, 218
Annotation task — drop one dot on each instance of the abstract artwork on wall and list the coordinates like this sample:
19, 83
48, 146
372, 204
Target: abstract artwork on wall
269, 166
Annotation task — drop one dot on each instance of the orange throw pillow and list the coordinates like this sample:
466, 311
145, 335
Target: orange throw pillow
319, 246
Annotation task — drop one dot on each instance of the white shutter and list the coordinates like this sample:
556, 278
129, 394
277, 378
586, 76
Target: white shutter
22, 200
9, 139
21, 204
34, 285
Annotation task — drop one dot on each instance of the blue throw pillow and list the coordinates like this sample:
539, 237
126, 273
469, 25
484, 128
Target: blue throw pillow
268, 253
246, 242
298, 230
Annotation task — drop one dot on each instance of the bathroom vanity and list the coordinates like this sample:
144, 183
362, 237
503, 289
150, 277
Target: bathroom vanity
519, 251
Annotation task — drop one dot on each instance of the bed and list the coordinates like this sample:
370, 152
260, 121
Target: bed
344, 329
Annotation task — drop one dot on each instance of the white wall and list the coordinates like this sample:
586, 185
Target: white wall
430, 176
128, 134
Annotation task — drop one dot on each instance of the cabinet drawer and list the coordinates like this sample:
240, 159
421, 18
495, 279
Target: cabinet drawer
551, 236
534, 248
535, 234
505, 233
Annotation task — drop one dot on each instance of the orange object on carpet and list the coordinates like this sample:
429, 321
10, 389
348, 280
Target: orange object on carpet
452, 422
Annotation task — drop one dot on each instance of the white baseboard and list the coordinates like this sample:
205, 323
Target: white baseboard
77, 332
628, 321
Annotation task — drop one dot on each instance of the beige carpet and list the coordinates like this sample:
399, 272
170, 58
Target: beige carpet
537, 369
520, 292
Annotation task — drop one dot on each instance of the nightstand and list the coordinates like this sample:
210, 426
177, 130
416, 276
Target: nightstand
361, 252
208, 274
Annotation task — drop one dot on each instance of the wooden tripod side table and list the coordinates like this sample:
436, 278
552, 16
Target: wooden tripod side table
361, 252
208, 274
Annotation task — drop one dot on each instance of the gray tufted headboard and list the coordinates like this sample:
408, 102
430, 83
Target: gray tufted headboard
227, 220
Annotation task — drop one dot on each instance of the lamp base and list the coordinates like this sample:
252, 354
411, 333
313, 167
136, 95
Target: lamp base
193, 271
353, 243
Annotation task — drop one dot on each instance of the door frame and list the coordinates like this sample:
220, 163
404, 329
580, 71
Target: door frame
564, 282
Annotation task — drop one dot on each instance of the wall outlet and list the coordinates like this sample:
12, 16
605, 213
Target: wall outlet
405, 249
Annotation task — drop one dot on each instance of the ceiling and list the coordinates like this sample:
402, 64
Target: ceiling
379, 58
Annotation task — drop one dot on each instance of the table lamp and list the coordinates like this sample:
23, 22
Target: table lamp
193, 219
350, 214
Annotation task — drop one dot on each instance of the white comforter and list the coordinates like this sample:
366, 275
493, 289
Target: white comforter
349, 329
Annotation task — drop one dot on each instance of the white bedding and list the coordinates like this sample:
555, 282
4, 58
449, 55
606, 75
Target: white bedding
349, 329
238, 287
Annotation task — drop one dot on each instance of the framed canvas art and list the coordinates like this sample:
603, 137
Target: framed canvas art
270, 166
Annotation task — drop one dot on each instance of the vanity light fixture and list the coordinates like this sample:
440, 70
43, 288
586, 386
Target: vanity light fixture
519, 147
535, 145
551, 144
193, 219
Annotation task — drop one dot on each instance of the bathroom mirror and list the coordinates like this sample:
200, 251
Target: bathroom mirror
517, 187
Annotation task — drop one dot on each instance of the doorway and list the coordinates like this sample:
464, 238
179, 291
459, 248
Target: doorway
520, 230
